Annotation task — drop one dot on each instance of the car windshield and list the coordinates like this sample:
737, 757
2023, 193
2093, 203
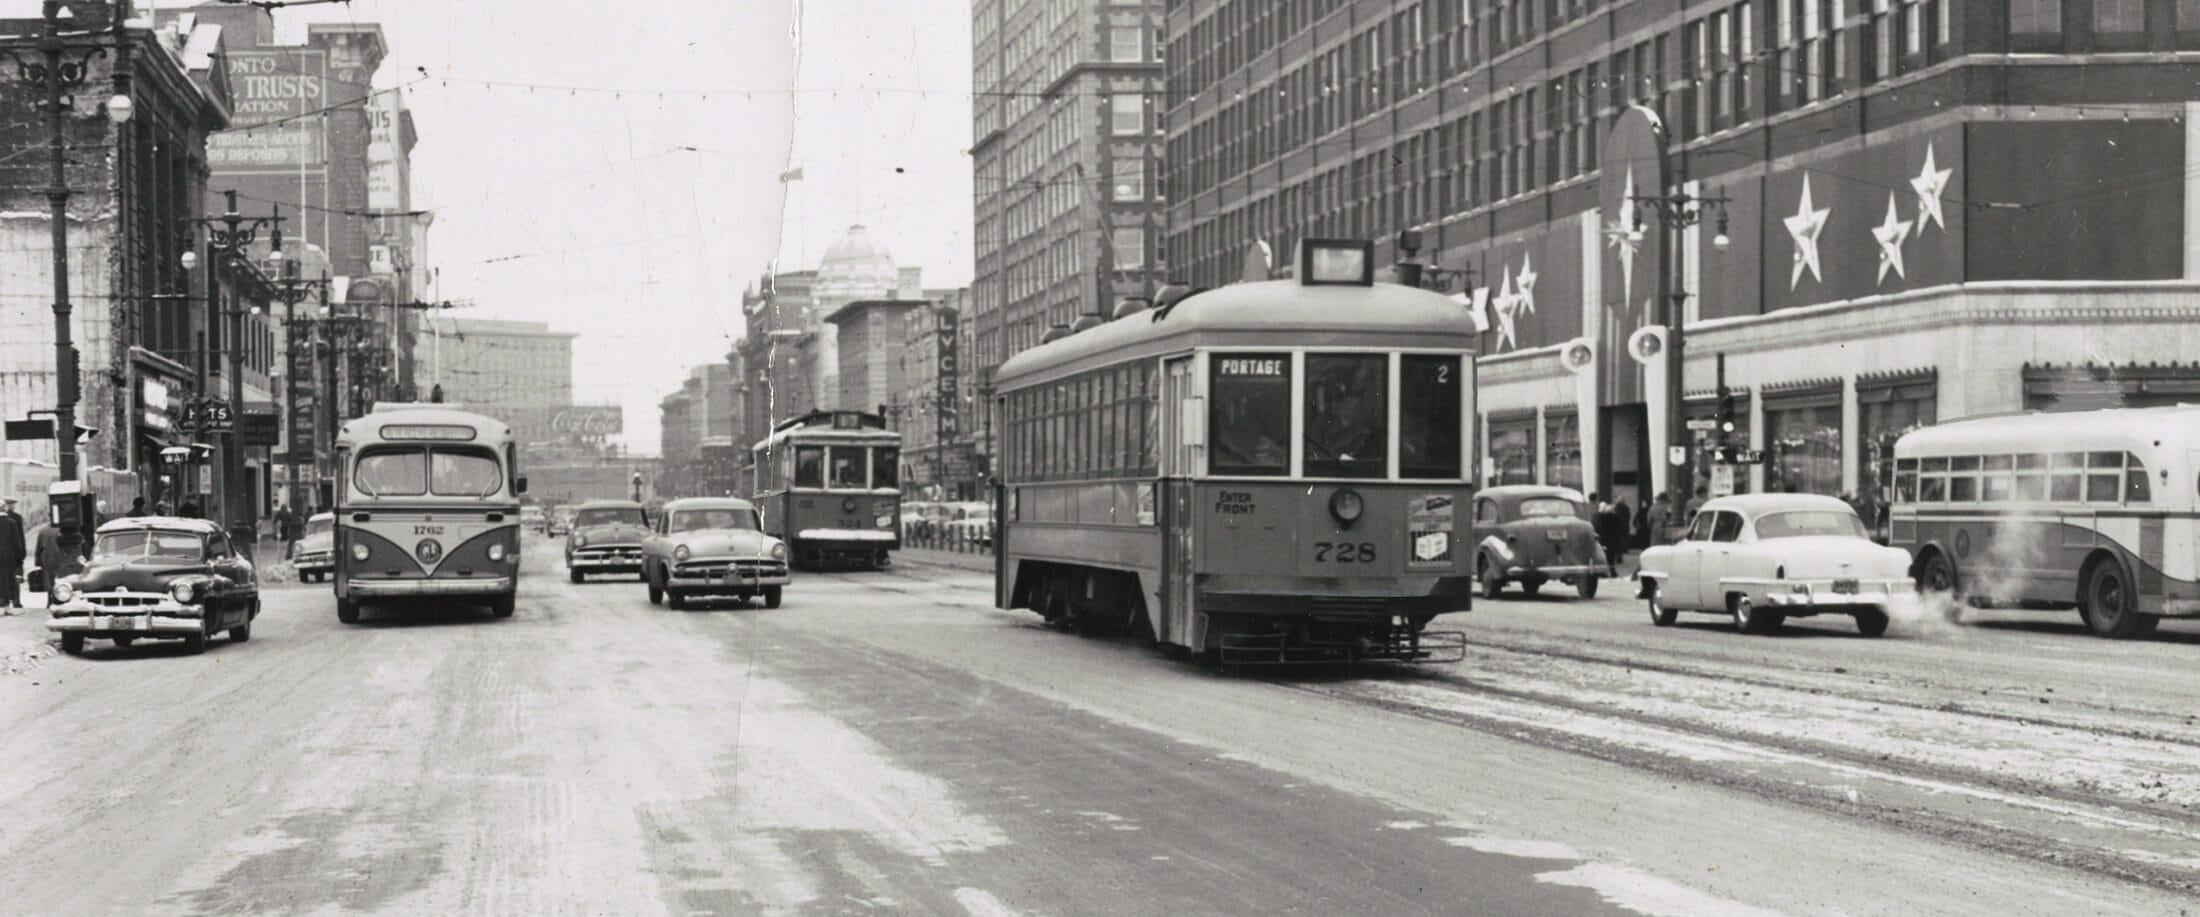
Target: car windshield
696, 520
320, 526
1549, 506
1801, 523
126, 546
616, 515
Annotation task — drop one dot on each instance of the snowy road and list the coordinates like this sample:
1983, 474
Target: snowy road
888, 743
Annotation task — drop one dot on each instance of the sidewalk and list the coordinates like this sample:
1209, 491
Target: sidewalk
24, 640
929, 557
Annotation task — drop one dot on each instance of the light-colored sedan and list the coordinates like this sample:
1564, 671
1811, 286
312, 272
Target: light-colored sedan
315, 555
1763, 558
712, 546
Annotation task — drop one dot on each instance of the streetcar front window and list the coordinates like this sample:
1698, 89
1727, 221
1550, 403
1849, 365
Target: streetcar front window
886, 467
1250, 418
1428, 416
848, 466
809, 466
1347, 403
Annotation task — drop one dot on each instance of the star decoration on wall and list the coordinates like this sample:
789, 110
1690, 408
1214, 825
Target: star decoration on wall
1890, 235
1524, 300
1618, 234
1929, 184
1804, 228
1503, 304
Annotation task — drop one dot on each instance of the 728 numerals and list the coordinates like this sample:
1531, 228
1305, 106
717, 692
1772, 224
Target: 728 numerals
1344, 552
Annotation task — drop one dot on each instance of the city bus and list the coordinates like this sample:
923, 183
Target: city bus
427, 509
829, 485
1268, 472
2095, 510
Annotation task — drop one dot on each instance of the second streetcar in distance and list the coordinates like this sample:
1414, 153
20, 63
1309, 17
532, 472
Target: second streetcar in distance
1267, 472
829, 485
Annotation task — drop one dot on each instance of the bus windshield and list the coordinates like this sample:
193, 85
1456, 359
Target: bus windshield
128, 546
1803, 523
412, 471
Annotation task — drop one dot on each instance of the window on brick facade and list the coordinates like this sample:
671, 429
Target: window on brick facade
1127, 114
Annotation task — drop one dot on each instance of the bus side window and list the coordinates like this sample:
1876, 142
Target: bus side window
2066, 477
1905, 480
2135, 481
2104, 474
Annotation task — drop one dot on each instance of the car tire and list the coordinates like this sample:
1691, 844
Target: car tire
1872, 622
194, 644
771, 596
1586, 587
347, 611
1750, 619
1493, 586
656, 592
72, 644
576, 576
2111, 606
1661, 615
241, 633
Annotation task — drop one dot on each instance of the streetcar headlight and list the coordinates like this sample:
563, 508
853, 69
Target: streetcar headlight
1346, 506
496, 552
359, 551
681, 552
63, 590
848, 505
183, 591
779, 550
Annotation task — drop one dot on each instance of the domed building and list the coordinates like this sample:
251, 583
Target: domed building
856, 267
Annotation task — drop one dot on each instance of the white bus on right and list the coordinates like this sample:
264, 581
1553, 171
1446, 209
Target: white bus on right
2097, 510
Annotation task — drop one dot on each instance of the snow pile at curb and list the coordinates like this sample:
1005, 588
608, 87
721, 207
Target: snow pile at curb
22, 654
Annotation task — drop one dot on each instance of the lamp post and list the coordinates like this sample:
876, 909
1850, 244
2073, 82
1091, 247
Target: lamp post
1674, 212
292, 290
226, 238
62, 65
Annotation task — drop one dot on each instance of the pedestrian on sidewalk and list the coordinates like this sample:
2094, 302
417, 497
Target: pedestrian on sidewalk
59, 554
12, 551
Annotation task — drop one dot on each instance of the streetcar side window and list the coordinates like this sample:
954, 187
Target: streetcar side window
809, 466
1347, 423
1249, 420
886, 467
1428, 416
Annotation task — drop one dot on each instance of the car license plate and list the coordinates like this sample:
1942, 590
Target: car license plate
1844, 587
1554, 534
113, 622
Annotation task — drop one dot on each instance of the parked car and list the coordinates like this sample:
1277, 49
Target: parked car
532, 517
712, 546
561, 521
1531, 535
972, 524
315, 555
607, 538
1761, 559
155, 578
920, 518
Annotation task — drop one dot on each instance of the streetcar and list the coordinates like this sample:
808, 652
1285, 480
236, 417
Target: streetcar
2096, 510
1269, 472
829, 485
427, 509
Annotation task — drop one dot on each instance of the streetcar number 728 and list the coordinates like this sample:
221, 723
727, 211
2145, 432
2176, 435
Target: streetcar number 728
1344, 552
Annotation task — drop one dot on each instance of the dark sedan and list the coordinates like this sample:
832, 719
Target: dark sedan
1531, 535
157, 578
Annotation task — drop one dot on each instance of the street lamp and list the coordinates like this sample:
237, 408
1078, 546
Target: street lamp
1676, 211
226, 238
292, 291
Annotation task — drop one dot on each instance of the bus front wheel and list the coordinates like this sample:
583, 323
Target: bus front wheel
2111, 605
347, 611
502, 606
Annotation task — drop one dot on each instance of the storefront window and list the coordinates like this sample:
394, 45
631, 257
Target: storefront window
1512, 451
1250, 414
1739, 439
1562, 450
1883, 414
1803, 447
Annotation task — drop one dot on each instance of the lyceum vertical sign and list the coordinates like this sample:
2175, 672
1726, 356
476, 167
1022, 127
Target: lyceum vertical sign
950, 396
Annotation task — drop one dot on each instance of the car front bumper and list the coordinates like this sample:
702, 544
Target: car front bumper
629, 563
157, 616
314, 563
724, 577
1557, 570
400, 588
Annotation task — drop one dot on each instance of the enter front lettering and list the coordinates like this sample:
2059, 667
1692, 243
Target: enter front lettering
1235, 503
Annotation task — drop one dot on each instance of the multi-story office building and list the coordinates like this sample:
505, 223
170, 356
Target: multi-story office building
697, 438
1066, 140
1934, 209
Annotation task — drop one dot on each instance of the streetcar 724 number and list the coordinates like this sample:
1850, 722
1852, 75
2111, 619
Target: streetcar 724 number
1344, 552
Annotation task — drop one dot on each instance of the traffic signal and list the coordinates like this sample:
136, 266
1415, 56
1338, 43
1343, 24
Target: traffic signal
1726, 413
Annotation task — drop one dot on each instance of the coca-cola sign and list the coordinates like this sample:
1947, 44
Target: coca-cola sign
590, 420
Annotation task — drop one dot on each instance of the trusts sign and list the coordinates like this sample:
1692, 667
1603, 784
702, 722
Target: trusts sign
276, 127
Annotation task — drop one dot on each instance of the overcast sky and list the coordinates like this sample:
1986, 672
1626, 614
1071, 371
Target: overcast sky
636, 219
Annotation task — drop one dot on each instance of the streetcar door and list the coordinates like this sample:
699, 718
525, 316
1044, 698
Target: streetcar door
1183, 444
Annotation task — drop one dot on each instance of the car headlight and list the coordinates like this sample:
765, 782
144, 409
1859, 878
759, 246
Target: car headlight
680, 552
580, 540
63, 590
184, 591
359, 551
496, 552
779, 550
